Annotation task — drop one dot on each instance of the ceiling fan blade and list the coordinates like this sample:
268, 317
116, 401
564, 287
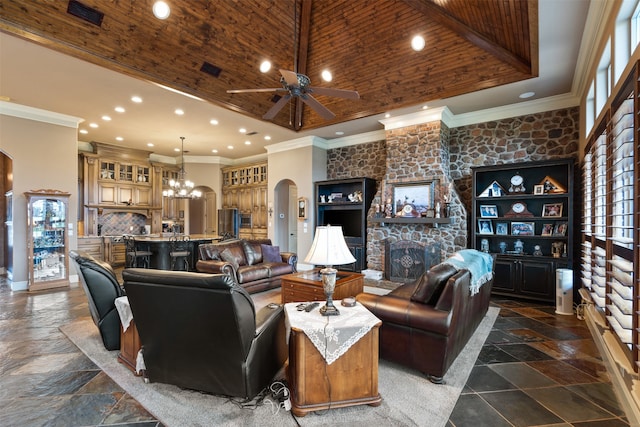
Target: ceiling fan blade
290, 77
276, 107
255, 90
319, 108
340, 93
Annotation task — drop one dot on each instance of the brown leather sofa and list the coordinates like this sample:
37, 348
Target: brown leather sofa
202, 332
426, 324
247, 262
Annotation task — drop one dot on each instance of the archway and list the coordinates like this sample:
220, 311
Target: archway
6, 208
285, 221
202, 212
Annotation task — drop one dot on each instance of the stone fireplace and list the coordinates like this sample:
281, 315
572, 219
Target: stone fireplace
417, 153
406, 260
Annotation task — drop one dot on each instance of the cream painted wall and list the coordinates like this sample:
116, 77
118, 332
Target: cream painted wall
45, 156
303, 166
206, 174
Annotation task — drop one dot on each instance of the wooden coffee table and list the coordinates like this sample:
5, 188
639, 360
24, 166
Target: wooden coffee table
307, 286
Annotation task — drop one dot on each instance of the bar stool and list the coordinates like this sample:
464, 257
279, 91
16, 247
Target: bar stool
180, 251
135, 256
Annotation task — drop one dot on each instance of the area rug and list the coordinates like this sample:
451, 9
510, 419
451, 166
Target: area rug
408, 398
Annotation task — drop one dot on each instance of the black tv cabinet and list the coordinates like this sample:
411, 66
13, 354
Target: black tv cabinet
346, 202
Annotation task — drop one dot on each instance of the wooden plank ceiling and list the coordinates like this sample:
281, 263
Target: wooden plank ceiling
470, 45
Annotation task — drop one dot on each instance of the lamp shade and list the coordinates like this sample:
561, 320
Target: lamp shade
329, 248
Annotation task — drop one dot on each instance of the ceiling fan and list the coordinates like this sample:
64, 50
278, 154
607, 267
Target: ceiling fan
298, 85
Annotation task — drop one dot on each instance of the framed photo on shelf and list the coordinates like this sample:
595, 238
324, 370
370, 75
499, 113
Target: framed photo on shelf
502, 229
538, 189
522, 229
488, 211
547, 230
560, 229
552, 210
485, 226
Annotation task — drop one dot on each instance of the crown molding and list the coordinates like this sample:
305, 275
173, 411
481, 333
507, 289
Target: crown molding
38, 115
307, 141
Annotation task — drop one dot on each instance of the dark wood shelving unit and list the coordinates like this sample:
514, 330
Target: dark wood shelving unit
351, 215
525, 275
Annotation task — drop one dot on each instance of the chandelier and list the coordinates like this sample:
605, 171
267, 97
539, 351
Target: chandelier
181, 188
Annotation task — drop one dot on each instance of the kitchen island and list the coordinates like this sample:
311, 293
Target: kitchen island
160, 247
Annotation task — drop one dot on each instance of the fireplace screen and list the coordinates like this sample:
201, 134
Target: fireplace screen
406, 261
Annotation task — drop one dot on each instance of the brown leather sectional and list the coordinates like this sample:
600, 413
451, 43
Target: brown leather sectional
426, 324
245, 261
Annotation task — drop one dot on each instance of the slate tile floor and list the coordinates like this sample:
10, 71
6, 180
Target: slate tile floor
536, 369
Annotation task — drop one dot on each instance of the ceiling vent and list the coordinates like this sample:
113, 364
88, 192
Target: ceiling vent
275, 98
251, 133
211, 69
86, 13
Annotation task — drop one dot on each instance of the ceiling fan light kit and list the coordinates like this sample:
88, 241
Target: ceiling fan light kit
296, 85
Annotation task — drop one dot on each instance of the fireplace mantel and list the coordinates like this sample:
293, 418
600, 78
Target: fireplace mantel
408, 220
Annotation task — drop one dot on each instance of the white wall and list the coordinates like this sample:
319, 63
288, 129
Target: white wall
44, 150
303, 162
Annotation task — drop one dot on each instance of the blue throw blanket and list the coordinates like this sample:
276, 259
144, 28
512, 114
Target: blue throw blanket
478, 263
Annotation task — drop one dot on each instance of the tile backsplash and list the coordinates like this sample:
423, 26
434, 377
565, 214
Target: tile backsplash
119, 223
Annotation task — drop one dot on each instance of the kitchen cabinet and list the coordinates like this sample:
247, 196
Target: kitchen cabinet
47, 239
245, 188
523, 213
92, 246
120, 180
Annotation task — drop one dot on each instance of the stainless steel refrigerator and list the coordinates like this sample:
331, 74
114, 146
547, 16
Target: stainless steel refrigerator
228, 222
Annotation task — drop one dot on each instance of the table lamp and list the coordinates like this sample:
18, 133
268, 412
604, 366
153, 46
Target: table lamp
329, 249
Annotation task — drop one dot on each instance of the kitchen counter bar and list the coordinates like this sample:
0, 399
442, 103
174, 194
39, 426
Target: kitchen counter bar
160, 246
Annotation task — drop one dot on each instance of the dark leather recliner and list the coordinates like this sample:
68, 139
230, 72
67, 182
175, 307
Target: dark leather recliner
201, 331
101, 286
427, 323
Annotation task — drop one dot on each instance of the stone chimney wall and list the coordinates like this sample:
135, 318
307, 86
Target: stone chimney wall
415, 154
433, 151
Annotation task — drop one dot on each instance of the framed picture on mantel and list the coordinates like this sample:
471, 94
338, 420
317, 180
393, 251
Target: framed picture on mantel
412, 199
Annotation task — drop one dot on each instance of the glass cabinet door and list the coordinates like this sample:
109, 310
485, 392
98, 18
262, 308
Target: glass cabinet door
48, 240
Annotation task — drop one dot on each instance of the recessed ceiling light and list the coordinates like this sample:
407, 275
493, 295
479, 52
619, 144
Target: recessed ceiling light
242, 130
106, 118
161, 10
176, 149
136, 99
214, 151
326, 75
527, 95
213, 122
267, 137
339, 132
424, 107
93, 125
417, 43
84, 131
149, 144
386, 116
230, 147
247, 143
119, 138
119, 109
265, 66
179, 111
